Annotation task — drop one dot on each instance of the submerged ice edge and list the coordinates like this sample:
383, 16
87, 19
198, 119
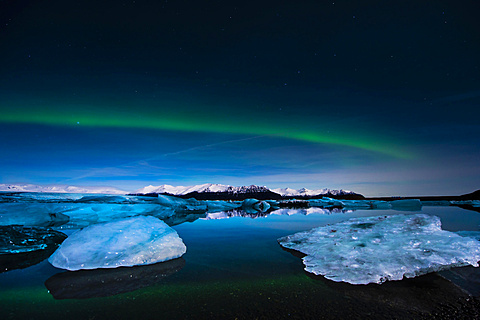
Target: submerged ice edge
377, 249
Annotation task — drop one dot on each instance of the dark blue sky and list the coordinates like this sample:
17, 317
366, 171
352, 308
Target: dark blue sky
380, 97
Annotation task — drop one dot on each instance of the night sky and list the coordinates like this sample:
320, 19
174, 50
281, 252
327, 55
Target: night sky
378, 97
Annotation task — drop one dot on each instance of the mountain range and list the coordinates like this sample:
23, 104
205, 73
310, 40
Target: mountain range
202, 191
210, 191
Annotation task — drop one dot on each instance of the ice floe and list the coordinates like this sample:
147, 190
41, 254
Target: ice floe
473, 203
407, 205
32, 214
381, 248
128, 242
253, 205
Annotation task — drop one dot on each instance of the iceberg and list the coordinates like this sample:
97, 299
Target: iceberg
252, 205
181, 205
377, 249
407, 204
217, 205
473, 203
140, 240
378, 204
32, 214
325, 202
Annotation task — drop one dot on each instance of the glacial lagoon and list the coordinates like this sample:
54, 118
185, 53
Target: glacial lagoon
233, 267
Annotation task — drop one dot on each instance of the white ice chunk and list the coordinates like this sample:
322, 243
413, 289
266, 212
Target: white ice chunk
377, 249
129, 242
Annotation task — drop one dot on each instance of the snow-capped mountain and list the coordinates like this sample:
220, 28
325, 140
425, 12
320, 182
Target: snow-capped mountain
202, 188
216, 188
58, 189
303, 192
208, 190
181, 190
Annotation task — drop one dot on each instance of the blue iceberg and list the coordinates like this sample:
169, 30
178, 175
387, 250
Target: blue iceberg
140, 240
381, 248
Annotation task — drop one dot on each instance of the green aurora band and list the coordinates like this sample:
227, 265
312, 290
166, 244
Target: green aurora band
208, 122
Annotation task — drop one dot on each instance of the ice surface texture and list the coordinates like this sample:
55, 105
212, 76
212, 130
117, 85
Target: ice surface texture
377, 249
41, 215
129, 242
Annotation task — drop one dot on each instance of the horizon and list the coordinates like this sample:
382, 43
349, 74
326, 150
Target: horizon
380, 98
127, 190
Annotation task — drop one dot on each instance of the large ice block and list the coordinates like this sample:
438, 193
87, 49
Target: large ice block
134, 241
381, 248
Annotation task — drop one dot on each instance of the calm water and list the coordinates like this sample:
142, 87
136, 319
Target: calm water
235, 269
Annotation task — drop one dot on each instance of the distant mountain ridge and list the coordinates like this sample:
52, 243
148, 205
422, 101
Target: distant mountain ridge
211, 191
304, 192
58, 189
202, 191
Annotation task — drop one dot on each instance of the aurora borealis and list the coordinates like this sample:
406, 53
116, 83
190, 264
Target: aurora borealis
379, 97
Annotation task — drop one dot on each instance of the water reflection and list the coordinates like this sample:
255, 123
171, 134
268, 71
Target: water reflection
22, 247
86, 284
279, 212
428, 294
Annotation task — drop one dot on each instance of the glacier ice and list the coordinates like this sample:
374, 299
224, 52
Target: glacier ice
253, 205
407, 204
133, 241
179, 204
32, 214
381, 248
216, 206
473, 203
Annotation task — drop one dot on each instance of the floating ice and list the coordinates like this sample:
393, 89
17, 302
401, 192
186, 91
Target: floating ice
307, 211
104, 199
216, 206
179, 204
32, 214
473, 203
252, 205
407, 204
325, 202
377, 249
435, 203
378, 204
129, 242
